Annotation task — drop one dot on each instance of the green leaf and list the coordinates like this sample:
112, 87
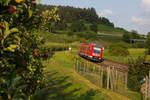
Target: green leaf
11, 48
30, 12
8, 32
18, 38
2, 43
5, 2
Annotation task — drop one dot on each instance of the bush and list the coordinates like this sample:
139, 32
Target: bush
119, 49
126, 37
137, 71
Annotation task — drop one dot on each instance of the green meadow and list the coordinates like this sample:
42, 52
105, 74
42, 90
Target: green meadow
65, 83
133, 53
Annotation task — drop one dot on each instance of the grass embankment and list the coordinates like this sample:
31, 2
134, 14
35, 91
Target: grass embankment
66, 84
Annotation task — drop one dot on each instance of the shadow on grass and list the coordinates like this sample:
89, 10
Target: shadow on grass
58, 90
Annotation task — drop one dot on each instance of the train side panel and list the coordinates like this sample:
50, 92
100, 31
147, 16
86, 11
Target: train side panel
91, 51
84, 49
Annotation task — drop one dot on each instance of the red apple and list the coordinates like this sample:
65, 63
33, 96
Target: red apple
2, 25
36, 53
33, 2
35, 49
11, 9
46, 54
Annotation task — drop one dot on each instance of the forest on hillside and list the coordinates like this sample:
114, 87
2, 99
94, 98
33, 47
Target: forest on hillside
71, 14
84, 20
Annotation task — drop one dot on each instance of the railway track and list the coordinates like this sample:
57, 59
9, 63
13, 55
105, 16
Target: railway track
117, 65
121, 67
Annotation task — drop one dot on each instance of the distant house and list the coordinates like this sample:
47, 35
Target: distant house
146, 63
137, 40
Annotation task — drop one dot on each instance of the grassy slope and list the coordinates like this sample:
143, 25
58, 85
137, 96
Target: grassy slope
107, 38
66, 84
107, 29
134, 53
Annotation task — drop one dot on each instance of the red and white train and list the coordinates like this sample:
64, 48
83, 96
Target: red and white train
91, 51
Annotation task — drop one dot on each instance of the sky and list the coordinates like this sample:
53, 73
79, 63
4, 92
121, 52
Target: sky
128, 14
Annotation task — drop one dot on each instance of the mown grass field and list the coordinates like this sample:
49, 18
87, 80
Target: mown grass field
66, 84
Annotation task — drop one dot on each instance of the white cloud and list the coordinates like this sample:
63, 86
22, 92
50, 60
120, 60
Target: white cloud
139, 20
146, 5
106, 12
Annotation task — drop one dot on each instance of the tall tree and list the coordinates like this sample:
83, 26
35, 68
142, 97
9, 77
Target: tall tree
135, 34
126, 37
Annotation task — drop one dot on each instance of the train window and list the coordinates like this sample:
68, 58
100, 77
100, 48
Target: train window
98, 52
95, 51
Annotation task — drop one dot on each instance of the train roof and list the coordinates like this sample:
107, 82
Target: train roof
98, 46
95, 45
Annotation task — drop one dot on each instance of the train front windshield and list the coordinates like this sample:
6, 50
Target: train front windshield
97, 51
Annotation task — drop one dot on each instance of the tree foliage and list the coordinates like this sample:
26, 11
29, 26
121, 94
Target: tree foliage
119, 49
49, 18
21, 51
134, 38
137, 71
126, 37
72, 14
135, 35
